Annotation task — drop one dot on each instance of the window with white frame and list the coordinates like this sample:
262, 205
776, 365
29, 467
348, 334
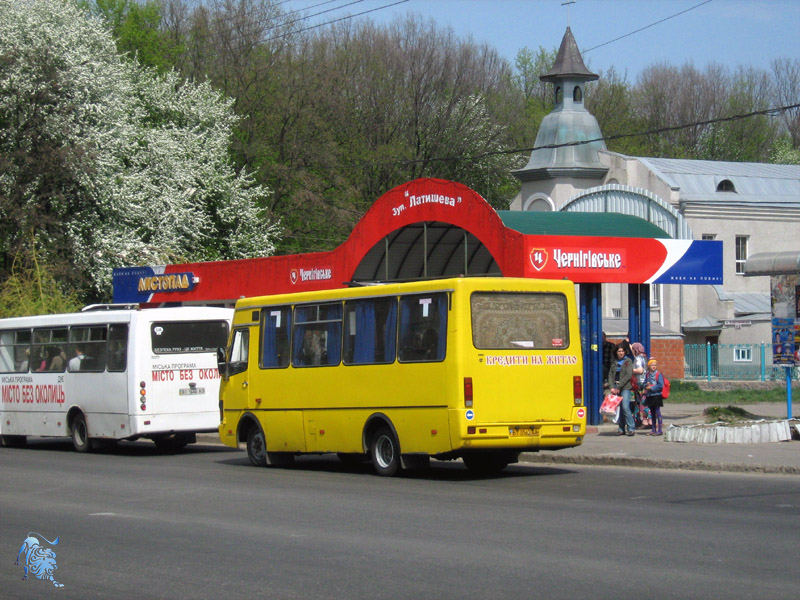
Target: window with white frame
655, 295
742, 354
741, 253
616, 313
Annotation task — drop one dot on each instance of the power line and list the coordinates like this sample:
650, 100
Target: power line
322, 12
262, 21
768, 111
336, 20
645, 27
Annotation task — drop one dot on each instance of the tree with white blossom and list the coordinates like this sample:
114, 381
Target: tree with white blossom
104, 163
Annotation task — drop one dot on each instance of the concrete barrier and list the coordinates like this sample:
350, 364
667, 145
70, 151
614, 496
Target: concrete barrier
752, 432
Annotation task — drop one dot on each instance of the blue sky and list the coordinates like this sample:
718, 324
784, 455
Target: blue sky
730, 32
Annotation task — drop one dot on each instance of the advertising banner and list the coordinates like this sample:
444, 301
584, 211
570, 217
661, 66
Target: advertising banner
585, 259
784, 320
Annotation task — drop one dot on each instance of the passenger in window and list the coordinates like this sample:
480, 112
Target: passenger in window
45, 356
58, 359
75, 362
23, 366
429, 344
116, 360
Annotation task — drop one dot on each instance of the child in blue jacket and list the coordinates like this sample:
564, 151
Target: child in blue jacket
654, 384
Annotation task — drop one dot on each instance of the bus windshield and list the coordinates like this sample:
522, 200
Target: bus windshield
176, 337
513, 320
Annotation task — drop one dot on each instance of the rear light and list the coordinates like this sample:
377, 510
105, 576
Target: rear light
468, 392
142, 395
577, 389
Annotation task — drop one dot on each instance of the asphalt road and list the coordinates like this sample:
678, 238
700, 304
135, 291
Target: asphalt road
203, 523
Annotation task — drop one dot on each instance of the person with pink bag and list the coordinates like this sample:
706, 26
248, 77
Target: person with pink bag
619, 377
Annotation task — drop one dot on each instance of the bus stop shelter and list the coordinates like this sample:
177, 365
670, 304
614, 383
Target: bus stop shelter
783, 269
430, 228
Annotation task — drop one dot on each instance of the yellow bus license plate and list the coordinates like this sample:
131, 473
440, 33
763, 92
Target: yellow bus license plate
523, 432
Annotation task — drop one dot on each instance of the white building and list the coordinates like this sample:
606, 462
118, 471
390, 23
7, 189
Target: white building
750, 207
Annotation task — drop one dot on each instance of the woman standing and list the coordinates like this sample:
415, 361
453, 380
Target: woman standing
619, 377
641, 415
654, 384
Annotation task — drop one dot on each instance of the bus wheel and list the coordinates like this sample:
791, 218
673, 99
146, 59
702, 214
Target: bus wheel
80, 434
13, 441
257, 447
486, 463
171, 441
385, 452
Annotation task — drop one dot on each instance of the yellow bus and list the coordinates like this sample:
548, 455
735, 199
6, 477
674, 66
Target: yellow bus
479, 369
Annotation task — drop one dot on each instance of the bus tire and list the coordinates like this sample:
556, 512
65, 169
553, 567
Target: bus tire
487, 463
80, 435
257, 447
13, 441
384, 451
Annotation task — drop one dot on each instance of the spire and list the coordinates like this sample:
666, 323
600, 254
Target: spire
569, 138
569, 63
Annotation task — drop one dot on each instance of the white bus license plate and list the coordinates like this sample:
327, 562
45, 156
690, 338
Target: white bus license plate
523, 432
191, 391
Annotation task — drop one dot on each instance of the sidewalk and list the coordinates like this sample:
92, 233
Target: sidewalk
602, 446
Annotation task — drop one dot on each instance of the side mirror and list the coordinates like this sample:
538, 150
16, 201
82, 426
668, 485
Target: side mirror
222, 363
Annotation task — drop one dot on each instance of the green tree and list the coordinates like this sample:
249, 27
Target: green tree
31, 288
137, 29
783, 153
108, 164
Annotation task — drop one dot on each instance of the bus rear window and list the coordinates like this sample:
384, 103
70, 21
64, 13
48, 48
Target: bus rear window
519, 321
176, 337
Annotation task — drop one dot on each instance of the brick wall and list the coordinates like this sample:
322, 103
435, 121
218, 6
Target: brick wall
668, 352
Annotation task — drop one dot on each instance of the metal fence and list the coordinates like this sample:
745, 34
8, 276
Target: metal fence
732, 361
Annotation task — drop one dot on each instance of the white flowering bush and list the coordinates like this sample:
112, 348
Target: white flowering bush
117, 163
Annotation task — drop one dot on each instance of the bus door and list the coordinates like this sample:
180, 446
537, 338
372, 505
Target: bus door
237, 388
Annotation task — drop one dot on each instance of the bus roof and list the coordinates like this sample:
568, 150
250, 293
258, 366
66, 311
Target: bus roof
428, 285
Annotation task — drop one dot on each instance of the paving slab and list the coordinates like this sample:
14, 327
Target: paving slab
601, 446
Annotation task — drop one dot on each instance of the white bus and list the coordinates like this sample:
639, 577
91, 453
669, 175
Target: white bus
112, 373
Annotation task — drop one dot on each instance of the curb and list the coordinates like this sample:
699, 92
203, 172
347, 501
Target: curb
689, 465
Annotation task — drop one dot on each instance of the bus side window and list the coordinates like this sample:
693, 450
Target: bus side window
47, 351
370, 331
276, 323
240, 350
15, 351
423, 328
317, 335
117, 347
88, 348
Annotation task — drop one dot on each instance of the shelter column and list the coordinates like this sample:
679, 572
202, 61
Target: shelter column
639, 314
592, 336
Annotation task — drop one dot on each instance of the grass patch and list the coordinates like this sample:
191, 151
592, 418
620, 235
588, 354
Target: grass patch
688, 392
728, 414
